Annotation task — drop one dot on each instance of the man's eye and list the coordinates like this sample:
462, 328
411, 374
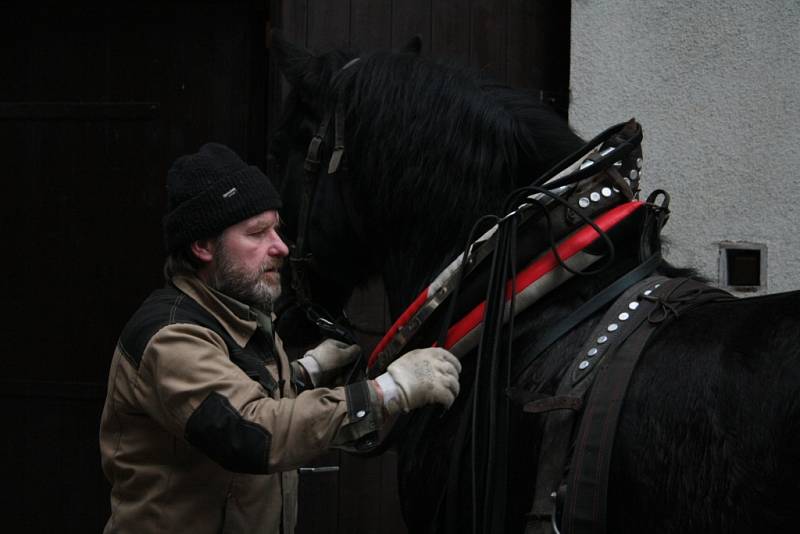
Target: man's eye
262, 231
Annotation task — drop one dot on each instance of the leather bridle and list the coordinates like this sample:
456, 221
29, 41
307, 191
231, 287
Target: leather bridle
301, 258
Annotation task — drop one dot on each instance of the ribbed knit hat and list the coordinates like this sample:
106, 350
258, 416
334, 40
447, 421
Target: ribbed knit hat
211, 190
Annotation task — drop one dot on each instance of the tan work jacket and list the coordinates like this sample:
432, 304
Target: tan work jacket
176, 399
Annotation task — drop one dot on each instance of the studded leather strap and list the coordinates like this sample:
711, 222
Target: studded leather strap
558, 430
587, 484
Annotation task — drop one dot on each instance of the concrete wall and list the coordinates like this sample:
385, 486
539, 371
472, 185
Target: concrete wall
715, 86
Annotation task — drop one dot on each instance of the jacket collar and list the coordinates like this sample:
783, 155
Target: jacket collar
239, 320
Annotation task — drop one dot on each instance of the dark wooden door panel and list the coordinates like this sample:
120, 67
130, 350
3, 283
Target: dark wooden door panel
95, 104
370, 24
409, 18
488, 37
450, 30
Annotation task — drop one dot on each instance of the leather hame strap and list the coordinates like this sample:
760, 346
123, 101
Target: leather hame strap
558, 428
585, 508
585, 493
530, 353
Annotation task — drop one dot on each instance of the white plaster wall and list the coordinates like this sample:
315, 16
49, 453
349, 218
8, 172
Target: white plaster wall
716, 87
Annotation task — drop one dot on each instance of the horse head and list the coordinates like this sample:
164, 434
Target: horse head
419, 137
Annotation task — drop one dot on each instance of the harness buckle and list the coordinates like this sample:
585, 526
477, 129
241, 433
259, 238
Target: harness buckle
311, 164
336, 159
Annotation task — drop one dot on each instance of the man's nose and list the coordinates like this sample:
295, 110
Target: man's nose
278, 248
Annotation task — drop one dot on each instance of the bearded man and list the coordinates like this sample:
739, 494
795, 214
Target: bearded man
206, 420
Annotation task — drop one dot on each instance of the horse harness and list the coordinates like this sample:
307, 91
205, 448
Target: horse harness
582, 415
300, 257
589, 398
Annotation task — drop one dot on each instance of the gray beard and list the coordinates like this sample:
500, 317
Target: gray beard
248, 288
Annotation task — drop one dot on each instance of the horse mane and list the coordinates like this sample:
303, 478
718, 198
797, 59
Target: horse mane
431, 147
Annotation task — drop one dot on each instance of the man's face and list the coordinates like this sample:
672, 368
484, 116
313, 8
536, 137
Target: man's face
247, 259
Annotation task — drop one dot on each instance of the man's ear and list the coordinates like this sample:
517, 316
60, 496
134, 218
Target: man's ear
203, 250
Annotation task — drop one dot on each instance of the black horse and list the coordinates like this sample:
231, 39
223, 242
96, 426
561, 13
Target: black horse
708, 437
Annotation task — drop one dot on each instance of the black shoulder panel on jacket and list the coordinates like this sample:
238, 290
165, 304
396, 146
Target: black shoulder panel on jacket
170, 306
238, 445
157, 311
163, 307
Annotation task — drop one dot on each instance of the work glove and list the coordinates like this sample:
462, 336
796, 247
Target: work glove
418, 378
324, 362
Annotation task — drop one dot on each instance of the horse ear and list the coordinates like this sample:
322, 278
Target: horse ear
413, 46
295, 62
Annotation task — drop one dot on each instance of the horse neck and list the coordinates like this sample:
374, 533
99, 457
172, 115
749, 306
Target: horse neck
544, 374
406, 273
405, 279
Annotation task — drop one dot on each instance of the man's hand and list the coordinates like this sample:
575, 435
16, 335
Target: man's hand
326, 360
418, 378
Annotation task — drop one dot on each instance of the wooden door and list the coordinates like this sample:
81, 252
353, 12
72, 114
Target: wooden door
95, 103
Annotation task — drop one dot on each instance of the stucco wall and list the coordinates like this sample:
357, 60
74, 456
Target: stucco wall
716, 87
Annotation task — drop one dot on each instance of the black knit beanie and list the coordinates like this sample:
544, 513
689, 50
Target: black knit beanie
211, 190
